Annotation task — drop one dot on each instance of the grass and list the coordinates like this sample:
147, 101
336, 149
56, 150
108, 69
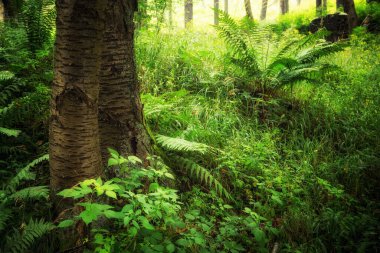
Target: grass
309, 165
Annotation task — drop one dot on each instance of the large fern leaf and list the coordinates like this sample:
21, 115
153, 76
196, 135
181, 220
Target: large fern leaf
9, 132
203, 176
25, 173
31, 193
22, 241
181, 145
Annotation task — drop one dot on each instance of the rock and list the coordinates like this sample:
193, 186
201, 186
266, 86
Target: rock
337, 24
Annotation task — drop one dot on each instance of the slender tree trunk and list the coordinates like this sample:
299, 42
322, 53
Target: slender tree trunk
188, 12
318, 7
349, 8
121, 121
284, 6
73, 134
216, 12
248, 8
170, 3
298, 2
2, 12
226, 6
324, 6
264, 7
339, 5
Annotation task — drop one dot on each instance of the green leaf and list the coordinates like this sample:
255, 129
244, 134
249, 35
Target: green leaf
134, 159
111, 194
170, 248
145, 223
88, 216
65, 223
112, 162
114, 215
153, 187
132, 231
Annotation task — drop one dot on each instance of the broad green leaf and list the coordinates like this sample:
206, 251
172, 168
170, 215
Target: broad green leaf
170, 248
65, 223
111, 194
145, 223
112, 162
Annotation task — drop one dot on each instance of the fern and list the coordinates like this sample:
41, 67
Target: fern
192, 168
5, 215
9, 132
271, 61
25, 173
181, 145
6, 75
31, 193
203, 175
38, 19
22, 241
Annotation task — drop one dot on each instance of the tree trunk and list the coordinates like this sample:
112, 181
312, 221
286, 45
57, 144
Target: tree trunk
264, 7
74, 137
284, 6
73, 134
349, 8
170, 3
226, 6
318, 7
188, 12
298, 2
2, 12
216, 12
121, 121
339, 5
248, 8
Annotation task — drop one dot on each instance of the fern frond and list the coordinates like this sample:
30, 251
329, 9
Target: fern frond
203, 175
23, 241
6, 75
311, 54
181, 145
9, 132
5, 215
31, 193
25, 173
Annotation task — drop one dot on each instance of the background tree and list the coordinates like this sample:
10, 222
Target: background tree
349, 8
284, 6
216, 12
188, 12
264, 7
226, 6
248, 8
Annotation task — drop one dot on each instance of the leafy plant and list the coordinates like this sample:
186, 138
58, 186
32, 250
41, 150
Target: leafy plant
268, 61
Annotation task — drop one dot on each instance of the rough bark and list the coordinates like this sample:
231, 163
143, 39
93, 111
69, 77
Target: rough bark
226, 6
349, 8
73, 134
188, 12
264, 7
74, 137
121, 121
216, 12
248, 8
